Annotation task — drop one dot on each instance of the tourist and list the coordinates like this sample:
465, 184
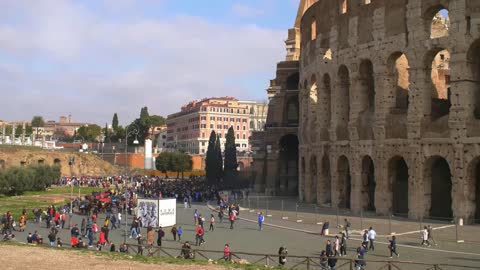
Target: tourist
336, 245
365, 239
185, 202
186, 252
113, 221
59, 242
63, 219
195, 217
90, 237
232, 220
226, 253
21, 223
199, 232
393, 246
328, 248
112, 247
347, 228
430, 235
425, 237
150, 235
29, 238
180, 232
174, 232
220, 215
212, 222
52, 236
371, 238
83, 227
160, 235
325, 227
343, 245
360, 261
323, 260
261, 219
282, 256
332, 261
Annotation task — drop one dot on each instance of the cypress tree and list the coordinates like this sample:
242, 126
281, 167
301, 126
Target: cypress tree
115, 122
211, 163
230, 166
218, 153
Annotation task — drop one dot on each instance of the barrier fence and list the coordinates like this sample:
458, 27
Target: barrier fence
293, 262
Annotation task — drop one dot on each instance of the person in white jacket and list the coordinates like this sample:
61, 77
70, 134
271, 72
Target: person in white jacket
425, 236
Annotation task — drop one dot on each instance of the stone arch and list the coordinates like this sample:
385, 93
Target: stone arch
312, 114
311, 190
41, 161
293, 81
292, 111
324, 101
398, 87
57, 162
366, 100
288, 164
439, 75
344, 183
473, 191
241, 166
438, 188
324, 195
437, 21
2, 164
305, 107
473, 60
398, 183
342, 97
368, 184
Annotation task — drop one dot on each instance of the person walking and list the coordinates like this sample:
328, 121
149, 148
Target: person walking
365, 239
201, 220
261, 219
336, 246
212, 222
195, 217
174, 232
232, 220
347, 228
393, 246
220, 215
282, 256
343, 245
325, 227
83, 227
199, 235
180, 232
425, 236
161, 234
371, 238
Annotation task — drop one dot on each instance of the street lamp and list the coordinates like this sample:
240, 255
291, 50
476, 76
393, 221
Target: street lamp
133, 130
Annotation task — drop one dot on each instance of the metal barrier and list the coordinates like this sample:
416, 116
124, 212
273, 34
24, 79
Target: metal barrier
293, 262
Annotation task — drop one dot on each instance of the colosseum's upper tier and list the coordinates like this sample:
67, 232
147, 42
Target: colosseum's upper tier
390, 106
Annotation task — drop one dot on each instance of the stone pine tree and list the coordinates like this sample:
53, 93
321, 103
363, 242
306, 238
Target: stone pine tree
230, 165
218, 153
211, 162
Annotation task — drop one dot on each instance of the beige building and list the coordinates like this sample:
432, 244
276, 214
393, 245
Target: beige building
389, 99
189, 130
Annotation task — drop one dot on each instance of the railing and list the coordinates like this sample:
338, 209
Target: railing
293, 262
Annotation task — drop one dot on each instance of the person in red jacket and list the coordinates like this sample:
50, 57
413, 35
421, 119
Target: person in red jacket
226, 252
199, 232
232, 219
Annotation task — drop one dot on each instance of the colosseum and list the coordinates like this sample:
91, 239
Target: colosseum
389, 107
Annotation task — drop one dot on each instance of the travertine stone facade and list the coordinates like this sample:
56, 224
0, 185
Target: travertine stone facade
390, 106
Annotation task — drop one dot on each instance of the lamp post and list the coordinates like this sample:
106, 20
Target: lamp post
133, 130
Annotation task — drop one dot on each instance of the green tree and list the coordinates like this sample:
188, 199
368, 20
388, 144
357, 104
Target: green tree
37, 122
115, 122
218, 153
230, 167
163, 162
211, 162
157, 120
90, 133
181, 162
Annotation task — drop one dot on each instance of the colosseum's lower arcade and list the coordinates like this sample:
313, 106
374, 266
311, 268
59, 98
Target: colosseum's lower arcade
390, 107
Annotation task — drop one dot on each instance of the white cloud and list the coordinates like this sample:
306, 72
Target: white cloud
243, 10
97, 67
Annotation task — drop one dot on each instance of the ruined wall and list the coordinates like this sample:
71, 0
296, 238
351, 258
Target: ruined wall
398, 112
84, 164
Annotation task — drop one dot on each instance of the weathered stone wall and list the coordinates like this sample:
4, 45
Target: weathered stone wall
373, 110
84, 164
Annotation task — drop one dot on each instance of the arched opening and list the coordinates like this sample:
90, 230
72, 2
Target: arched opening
399, 87
325, 186
366, 100
343, 103
440, 23
312, 183
398, 180
343, 6
23, 163
438, 188
313, 29
313, 100
474, 188
292, 112
2, 164
325, 107
41, 162
293, 81
440, 76
328, 55
56, 162
241, 166
473, 60
288, 159
368, 184
344, 185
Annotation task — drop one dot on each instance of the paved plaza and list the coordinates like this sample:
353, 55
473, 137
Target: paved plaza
300, 239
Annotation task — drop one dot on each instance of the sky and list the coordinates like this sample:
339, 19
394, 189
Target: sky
92, 58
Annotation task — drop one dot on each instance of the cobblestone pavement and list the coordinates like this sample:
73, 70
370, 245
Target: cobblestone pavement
300, 239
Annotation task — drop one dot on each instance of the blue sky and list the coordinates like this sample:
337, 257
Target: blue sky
96, 57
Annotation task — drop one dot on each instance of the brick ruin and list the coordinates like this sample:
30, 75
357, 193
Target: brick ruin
389, 108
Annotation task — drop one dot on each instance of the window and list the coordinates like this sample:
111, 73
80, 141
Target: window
219, 118
238, 136
232, 119
244, 120
211, 126
244, 136
238, 120
225, 119
219, 126
203, 143
203, 134
244, 128
238, 127
204, 118
238, 110
313, 29
225, 126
